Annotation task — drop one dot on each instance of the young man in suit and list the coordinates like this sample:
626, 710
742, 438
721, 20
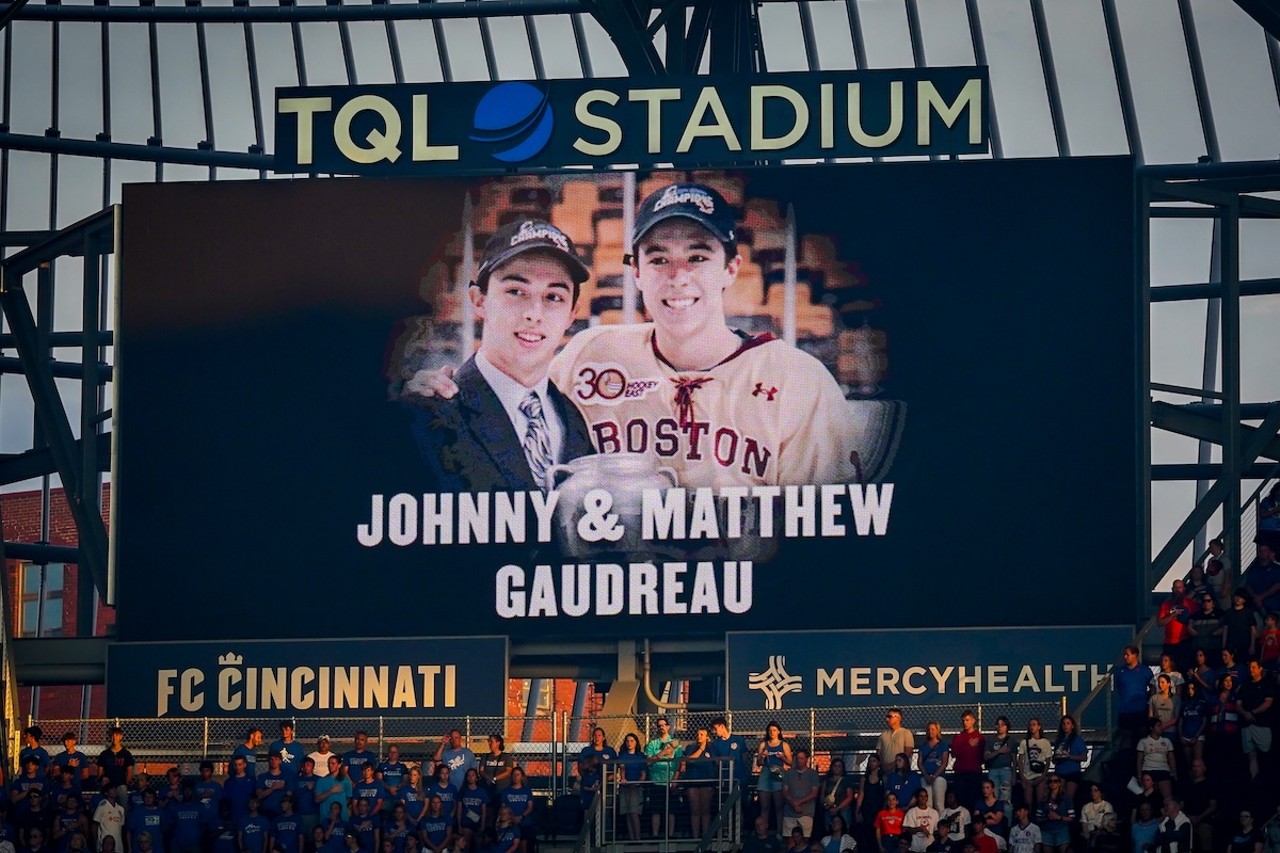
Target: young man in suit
508, 424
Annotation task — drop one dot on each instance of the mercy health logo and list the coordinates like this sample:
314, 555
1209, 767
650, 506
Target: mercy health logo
516, 119
775, 682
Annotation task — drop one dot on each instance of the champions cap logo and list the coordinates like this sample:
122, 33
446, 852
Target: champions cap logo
775, 682
517, 115
686, 195
540, 231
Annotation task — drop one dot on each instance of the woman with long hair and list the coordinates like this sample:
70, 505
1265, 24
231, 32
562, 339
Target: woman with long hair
835, 796
1033, 762
773, 760
1164, 703
933, 757
446, 791
1069, 752
518, 798
631, 774
837, 839
1248, 838
413, 795
1203, 673
1193, 722
474, 810
1156, 756
870, 801
507, 829
902, 781
699, 772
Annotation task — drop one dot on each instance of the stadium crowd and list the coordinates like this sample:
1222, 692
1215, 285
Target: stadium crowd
1194, 768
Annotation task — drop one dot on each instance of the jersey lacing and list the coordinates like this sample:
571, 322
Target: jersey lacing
685, 386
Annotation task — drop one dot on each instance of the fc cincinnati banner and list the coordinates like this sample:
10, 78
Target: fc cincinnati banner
843, 669
424, 676
453, 128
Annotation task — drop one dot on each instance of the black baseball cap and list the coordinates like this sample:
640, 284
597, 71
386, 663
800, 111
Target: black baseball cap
697, 202
526, 235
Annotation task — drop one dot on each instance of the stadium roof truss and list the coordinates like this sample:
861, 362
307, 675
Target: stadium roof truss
95, 94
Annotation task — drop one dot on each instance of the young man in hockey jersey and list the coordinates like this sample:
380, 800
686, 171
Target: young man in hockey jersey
720, 407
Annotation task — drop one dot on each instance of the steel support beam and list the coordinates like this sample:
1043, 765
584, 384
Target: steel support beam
1265, 12
37, 552
16, 467
1214, 498
61, 660
105, 149
190, 14
1194, 422
1209, 471
1211, 290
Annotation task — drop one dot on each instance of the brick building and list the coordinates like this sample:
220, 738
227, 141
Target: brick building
45, 599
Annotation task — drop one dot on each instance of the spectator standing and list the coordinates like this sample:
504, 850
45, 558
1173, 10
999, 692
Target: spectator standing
1247, 838
894, 739
273, 784
698, 771
321, 755
870, 801
991, 811
1240, 626
1204, 625
1024, 836
1172, 617
1069, 753
239, 789
304, 788
661, 752
455, 754
837, 794
1218, 572
392, 773
800, 794
116, 763
1164, 704
1269, 519
73, 758
1269, 643
1262, 580
730, 749
902, 780
1174, 835
1167, 667
108, 819
496, 765
998, 758
291, 752
1034, 751
1200, 803
888, 824
1193, 721
631, 773
773, 760
1130, 681
1055, 814
335, 789
249, 750
355, 759
934, 758
1258, 699
31, 748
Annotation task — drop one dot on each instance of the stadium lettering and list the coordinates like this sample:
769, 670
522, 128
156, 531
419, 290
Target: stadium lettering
378, 145
956, 680
610, 589
708, 118
306, 688
437, 519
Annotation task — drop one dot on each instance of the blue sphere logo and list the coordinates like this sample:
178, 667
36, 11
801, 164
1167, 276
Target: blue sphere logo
517, 116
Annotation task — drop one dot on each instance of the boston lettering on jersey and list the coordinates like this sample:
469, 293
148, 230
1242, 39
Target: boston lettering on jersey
693, 440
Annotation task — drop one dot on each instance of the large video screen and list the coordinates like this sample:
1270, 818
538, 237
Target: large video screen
828, 396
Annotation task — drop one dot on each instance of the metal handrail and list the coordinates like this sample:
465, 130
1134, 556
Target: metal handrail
1104, 683
712, 832
589, 818
11, 742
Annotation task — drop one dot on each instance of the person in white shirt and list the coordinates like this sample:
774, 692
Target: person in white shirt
1095, 814
321, 756
108, 819
1174, 832
1024, 836
920, 822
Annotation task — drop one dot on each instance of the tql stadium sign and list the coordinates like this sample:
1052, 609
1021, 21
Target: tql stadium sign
717, 121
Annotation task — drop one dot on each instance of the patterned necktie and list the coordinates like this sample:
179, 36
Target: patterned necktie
537, 440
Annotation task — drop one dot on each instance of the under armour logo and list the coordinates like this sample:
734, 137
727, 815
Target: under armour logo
768, 392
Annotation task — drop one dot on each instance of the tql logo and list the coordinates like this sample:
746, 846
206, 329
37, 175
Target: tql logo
515, 119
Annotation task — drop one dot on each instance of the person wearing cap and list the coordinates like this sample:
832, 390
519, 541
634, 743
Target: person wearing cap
291, 752
507, 424
321, 755
718, 406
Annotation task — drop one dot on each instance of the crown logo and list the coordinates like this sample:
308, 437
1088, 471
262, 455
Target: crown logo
230, 659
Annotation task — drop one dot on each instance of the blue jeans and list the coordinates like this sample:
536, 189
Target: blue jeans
1003, 779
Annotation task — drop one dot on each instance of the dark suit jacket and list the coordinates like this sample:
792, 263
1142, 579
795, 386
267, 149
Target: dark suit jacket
470, 445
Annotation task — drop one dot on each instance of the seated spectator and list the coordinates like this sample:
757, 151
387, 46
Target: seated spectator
1094, 815
1024, 836
889, 824
1247, 838
1174, 834
1143, 831
920, 821
902, 781
1054, 816
837, 839
944, 841
1149, 795
796, 842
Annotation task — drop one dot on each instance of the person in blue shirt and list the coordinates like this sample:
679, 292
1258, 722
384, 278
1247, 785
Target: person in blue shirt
902, 780
355, 759
62, 782
518, 797
249, 750
413, 795
392, 772
473, 808
369, 790
148, 818
507, 830
1130, 680
436, 826
446, 791
291, 752
397, 829
208, 793
633, 766
137, 793
254, 830
364, 827
304, 787
30, 780
286, 830
70, 821
31, 747
335, 830
272, 786
454, 753
598, 749
188, 819
334, 789
239, 789
75, 759
1069, 752
731, 751
223, 836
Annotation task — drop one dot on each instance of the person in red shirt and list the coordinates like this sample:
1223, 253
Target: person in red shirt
979, 838
1172, 617
889, 824
966, 750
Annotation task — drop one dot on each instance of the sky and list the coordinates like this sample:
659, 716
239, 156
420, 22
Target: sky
67, 94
